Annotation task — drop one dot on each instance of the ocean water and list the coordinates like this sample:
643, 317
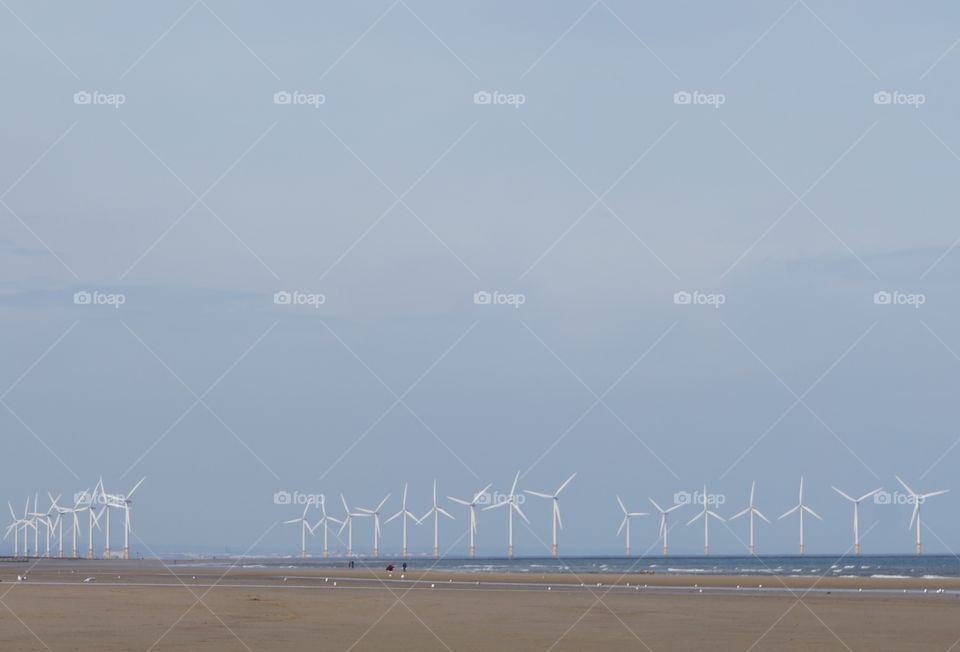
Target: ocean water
931, 566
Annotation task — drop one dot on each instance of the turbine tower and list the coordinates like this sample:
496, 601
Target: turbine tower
752, 511
801, 508
663, 523
304, 528
324, 520
512, 506
918, 499
348, 523
472, 506
625, 523
856, 515
436, 511
375, 513
405, 514
555, 497
705, 514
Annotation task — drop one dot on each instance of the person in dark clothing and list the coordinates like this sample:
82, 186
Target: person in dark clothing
404, 567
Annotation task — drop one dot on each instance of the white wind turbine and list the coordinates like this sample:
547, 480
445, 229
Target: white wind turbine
917, 500
15, 528
404, 514
375, 513
801, 508
348, 524
121, 501
61, 514
85, 502
512, 506
856, 515
555, 497
324, 521
625, 523
436, 512
472, 506
44, 518
664, 530
705, 514
304, 528
752, 511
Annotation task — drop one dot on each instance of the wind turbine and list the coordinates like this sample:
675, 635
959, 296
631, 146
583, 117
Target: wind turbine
44, 518
324, 520
705, 515
663, 523
555, 497
472, 506
375, 513
752, 511
802, 508
436, 511
917, 500
512, 506
121, 501
304, 528
626, 521
15, 528
85, 502
404, 514
348, 524
856, 515
61, 513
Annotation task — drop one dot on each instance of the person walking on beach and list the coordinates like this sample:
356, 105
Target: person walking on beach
404, 567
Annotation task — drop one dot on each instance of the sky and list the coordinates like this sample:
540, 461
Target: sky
660, 246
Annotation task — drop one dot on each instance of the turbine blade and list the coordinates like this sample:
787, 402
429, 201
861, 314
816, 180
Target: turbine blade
812, 513
909, 490
848, 497
695, 518
622, 523
622, 506
789, 512
934, 493
513, 489
659, 509
757, 512
458, 500
537, 493
520, 512
564, 485
135, 487
867, 495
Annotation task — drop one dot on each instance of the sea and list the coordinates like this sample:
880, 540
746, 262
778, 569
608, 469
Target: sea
891, 566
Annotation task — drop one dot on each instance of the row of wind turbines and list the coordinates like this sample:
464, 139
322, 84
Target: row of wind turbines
480, 499
97, 503
752, 512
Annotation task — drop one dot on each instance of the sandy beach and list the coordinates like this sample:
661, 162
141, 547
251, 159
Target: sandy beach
153, 606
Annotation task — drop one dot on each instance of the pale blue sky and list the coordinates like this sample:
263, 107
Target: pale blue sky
398, 198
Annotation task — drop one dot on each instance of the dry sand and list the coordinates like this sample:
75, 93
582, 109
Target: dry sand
154, 607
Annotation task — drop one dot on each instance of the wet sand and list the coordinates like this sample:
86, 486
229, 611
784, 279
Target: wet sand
150, 606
